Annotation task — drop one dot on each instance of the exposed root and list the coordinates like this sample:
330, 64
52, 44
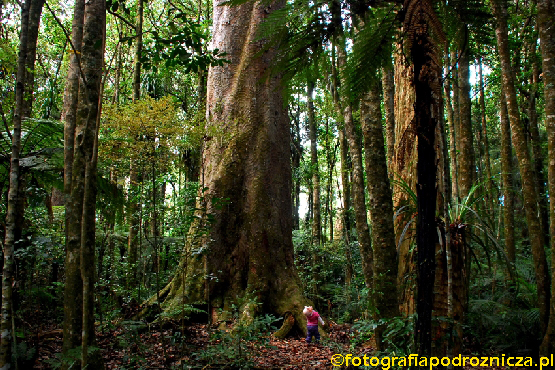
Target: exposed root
286, 327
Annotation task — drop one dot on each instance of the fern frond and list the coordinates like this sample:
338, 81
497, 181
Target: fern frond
372, 46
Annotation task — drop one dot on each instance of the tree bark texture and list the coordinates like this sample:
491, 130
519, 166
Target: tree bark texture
73, 289
419, 109
381, 211
138, 51
530, 195
247, 177
346, 213
6, 339
405, 171
546, 25
80, 208
490, 196
508, 182
455, 126
357, 179
536, 142
465, 141
313, 136
389, 110
135, 178
35, 12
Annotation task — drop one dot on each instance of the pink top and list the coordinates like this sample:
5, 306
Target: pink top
312, 319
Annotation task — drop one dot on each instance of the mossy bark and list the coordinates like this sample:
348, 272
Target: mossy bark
381, 212
242, 241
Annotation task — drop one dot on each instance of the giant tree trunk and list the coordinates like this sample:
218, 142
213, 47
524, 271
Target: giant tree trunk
546, 25
381, 212
530, 195
247, 177
6, 340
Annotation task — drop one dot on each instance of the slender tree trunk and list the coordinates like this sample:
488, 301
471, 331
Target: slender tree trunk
134, 210
85, 164
525, 164
35, 12
537, 144
455, 127
73, 288
507, 179
490, 196
296, 154
135, 178
313, 135
381, 212
6, 340
355, 150
117, 78
138, 51
346, 214
546, 25
345, 183
465, 141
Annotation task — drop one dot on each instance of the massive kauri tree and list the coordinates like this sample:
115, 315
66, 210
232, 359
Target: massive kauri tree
246, 175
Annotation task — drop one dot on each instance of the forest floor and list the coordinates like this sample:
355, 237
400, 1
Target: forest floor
198, 347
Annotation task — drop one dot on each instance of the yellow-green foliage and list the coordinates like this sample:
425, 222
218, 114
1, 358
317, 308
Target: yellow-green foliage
144, 130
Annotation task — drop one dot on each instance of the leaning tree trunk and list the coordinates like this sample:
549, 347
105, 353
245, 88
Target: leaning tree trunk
530, 195
6, 340
546, 25
248, 248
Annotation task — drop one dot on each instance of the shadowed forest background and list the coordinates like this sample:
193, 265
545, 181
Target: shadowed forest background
179, 179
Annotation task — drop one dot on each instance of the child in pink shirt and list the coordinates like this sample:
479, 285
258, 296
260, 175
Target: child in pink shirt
312, 318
